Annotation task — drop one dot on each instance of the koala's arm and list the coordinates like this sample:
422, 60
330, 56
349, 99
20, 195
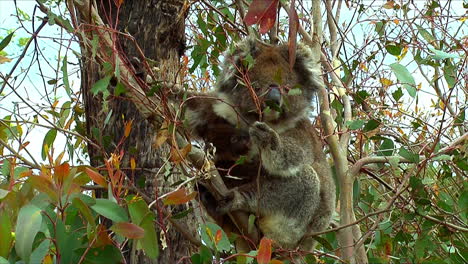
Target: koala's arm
242, 198
281, 154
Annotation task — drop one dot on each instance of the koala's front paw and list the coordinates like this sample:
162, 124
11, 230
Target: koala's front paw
264, 136
225, 204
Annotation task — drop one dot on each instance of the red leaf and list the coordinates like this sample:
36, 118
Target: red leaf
61, 172
102, 237
264, 251
179, 197
262, 12
96, 177
128, 230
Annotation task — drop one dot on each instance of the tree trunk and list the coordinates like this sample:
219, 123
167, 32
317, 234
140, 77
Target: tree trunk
158, 27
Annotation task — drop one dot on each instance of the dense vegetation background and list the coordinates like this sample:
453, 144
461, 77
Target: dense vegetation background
94, 163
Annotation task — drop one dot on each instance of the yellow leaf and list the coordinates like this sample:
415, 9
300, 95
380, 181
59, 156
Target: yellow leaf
4, 59
389, 4
396, 21
160, 138
275, 261
403, 53
363, 66
441, 104
132, 163
27, 173
128, 127
69, 122
178, 155
386, 82
47, 259
58, 160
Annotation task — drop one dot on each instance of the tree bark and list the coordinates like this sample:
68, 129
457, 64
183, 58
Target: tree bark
158, 27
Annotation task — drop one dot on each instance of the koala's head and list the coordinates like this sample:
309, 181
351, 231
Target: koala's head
257, 83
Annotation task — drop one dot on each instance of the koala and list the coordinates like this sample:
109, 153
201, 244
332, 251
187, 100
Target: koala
258, 92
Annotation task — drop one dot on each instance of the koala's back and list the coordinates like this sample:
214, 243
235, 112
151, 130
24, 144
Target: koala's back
302, 203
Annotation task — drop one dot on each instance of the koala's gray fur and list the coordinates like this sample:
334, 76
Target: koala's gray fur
296, 193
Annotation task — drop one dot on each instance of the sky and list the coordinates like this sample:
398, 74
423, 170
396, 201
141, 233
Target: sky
31, 85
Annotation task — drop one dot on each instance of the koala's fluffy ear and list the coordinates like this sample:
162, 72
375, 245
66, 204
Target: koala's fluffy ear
233, 62
308, 67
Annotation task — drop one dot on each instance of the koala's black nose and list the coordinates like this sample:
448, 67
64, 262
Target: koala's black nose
274, 94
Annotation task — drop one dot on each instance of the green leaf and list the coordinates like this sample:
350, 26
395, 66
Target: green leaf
202, 24
119, 89
101, 86
48, 141
361, 96
27, 226
405, 77
440, 55
4, 261
324, 243
23, 41
450, 74
442, 157
420, 246
371, 125
40, 252
380, 28
64, 113
107, 254
6, 41
463, 204
182, 214
386, 148
208, 232
5, 233
111, 210
355, 124
85, 211
412, 157
393, 49
149, 242
397, 94
426, 35
251, 223
137, 208
66, 82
